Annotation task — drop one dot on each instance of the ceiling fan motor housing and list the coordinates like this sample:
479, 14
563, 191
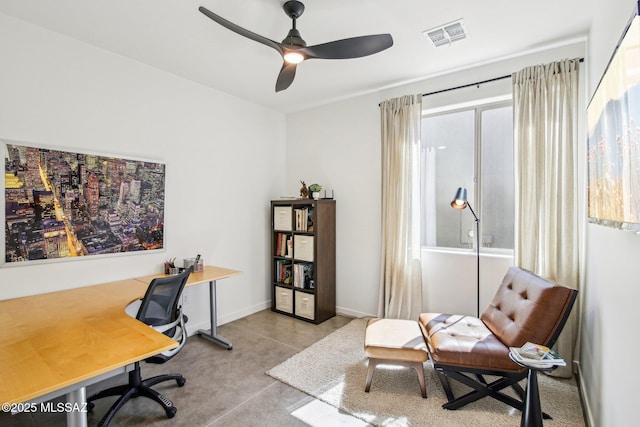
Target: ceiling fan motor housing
293, 9
293, 38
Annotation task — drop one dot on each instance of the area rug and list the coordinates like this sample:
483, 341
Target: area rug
333, 370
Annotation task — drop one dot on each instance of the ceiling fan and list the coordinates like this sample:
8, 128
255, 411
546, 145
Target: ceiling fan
294, 49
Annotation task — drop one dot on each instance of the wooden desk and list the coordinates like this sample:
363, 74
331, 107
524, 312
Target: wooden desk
62, 341
210, 274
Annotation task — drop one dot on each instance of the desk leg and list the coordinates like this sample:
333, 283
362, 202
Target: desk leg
213, 334
78, 399
532, 412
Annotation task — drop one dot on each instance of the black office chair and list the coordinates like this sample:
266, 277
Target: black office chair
161, 309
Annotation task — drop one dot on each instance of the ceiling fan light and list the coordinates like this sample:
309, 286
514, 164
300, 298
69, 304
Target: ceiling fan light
293, 57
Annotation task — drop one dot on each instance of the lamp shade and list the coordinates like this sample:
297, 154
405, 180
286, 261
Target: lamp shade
460, 199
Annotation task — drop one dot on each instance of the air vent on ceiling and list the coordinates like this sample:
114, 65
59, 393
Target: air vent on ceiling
447, 34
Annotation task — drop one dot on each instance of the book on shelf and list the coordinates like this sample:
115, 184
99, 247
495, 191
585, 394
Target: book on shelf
536, 355
279, 244
304, 219
310, 220
283, 272
287, 274
301, 219
284, 245
303, 276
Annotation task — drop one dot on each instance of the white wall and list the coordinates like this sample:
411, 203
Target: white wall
610, 291
224, 160
338, 145
65, 94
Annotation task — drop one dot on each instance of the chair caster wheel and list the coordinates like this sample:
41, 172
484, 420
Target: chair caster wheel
171, 412
181, 382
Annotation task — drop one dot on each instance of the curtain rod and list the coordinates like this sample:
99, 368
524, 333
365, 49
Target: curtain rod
467, 85
474, 84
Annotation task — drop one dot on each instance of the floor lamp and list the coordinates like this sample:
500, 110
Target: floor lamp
460, 202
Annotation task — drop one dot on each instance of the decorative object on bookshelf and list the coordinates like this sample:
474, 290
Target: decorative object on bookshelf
315, 190
303, 258
324, 197
304, 192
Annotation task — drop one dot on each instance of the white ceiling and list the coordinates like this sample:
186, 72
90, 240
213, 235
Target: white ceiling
174, 36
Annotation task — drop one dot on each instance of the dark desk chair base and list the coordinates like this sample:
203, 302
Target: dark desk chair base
135, 388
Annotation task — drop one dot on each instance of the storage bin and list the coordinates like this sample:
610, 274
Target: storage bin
282, 218
303, 247
305, 305
284, 299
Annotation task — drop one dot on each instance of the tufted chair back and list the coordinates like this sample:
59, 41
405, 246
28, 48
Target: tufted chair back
527, 307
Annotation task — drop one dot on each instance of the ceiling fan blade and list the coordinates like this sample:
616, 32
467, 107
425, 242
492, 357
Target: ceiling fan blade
285, 78
354, 47
243, 32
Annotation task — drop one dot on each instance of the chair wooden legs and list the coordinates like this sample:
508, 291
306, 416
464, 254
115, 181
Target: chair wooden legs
415, 365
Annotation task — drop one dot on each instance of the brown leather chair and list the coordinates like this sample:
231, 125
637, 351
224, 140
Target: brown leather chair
525, 308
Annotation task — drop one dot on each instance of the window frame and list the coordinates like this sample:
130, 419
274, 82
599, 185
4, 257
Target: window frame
478, 107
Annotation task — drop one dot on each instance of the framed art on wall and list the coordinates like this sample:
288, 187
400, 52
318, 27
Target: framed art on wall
63, 204
613, 120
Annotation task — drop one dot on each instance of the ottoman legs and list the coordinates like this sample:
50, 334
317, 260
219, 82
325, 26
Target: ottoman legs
415, 365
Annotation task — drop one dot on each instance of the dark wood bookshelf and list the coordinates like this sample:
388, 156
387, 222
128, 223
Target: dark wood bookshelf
303, 272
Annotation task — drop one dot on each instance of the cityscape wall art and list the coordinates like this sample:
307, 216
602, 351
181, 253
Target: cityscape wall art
64, 205
613, 120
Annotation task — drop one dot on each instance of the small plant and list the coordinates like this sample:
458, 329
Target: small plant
315, 188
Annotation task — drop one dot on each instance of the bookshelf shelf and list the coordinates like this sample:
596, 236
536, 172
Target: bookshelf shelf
303, 258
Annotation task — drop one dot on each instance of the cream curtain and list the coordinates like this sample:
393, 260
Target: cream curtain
400, 293
545, 112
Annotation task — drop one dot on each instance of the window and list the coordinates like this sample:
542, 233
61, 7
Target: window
471, 148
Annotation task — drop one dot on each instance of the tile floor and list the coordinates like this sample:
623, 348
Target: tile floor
224, 387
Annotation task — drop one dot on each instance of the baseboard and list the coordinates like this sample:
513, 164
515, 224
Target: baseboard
588, 415
352, 313
192, 328
243, 312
